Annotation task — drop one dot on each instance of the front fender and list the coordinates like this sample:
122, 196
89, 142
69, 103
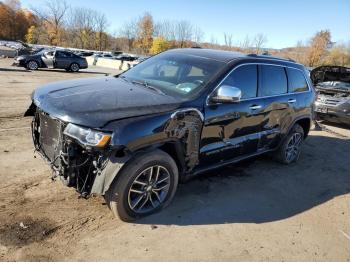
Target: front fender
142, 133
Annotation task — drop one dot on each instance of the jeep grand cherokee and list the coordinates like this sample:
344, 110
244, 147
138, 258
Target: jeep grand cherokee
134, 136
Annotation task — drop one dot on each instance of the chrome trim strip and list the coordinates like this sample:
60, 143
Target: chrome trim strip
261, 63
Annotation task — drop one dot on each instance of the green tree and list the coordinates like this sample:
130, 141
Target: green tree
159, 45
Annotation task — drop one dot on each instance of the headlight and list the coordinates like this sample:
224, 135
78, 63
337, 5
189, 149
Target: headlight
87, 136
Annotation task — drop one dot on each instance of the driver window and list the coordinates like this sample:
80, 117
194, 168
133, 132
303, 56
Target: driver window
168, 70
245, 78
164, 70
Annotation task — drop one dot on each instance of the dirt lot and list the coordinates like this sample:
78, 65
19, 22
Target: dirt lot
255, 211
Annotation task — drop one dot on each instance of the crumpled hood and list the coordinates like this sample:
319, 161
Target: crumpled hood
93, 102
330, 73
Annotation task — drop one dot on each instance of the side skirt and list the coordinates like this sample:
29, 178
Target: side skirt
225, 163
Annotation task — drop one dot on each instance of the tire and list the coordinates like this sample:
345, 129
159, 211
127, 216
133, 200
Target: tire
74, 67
289, 150
32, 65
132, 189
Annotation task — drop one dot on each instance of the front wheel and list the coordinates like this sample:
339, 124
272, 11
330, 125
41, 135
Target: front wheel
289, 150
144, 186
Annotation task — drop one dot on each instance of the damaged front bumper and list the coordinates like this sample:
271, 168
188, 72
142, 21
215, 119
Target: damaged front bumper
91, 170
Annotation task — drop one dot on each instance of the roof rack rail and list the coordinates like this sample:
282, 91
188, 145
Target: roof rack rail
196, 46
270, 56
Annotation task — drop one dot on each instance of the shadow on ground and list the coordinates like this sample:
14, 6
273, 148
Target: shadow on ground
263, 190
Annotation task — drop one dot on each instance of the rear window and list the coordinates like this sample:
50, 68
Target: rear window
296, 81
273, 80
245, 78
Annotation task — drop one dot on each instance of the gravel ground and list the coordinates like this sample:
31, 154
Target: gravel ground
258, 210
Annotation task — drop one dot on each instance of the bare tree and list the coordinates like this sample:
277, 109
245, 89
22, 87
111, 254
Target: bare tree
166, 29
259, 42
101, 25
53, 13
82, 24
129, 31
198, 35
213, 40
184, 32
246, 44
228, 40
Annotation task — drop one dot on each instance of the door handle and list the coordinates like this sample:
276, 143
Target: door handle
255, 107
291, 101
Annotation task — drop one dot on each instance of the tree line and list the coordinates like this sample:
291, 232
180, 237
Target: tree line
56, 23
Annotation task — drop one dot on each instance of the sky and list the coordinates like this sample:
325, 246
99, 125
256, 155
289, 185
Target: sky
283, 22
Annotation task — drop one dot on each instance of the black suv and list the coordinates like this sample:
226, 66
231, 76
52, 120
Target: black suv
134, 136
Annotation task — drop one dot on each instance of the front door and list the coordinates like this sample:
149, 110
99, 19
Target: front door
232, 130
48, 58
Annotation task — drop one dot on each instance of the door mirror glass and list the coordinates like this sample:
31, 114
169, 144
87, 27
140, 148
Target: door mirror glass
227, 94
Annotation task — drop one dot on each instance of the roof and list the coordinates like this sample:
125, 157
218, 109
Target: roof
223, 56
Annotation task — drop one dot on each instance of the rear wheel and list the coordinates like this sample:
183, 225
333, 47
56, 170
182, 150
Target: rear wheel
144, 186
32, 65
74, 67
290, 149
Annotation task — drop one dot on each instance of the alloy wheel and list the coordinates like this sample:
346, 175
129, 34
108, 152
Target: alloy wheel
293, 147
32, 65
149, 189
74, 67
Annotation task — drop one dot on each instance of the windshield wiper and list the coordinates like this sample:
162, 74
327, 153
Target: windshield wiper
145, 84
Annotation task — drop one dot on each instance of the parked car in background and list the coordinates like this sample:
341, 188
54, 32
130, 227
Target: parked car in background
139, 60
332, 84
61, 59
125, 57
84, 53
133, 136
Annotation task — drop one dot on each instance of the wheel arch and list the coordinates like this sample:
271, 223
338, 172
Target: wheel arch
179, 138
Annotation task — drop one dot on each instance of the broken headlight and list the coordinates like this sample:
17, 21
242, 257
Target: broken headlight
87, 136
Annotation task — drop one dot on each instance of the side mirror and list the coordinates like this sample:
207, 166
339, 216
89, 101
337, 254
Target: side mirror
226, 94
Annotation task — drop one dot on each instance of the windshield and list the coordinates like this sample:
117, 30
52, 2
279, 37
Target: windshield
335, 85
174, 74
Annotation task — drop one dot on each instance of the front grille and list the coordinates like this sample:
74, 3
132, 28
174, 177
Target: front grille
50, 137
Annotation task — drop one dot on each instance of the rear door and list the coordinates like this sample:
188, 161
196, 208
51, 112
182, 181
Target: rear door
279, 104
63, 59
232, 130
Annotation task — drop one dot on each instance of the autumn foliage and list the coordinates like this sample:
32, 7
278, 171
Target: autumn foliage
56, 23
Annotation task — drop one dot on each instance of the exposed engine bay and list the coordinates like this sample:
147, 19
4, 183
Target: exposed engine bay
75, 165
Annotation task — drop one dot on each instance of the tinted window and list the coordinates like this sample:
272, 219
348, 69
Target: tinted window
244, 78
296, 81
273, 80
63, 54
